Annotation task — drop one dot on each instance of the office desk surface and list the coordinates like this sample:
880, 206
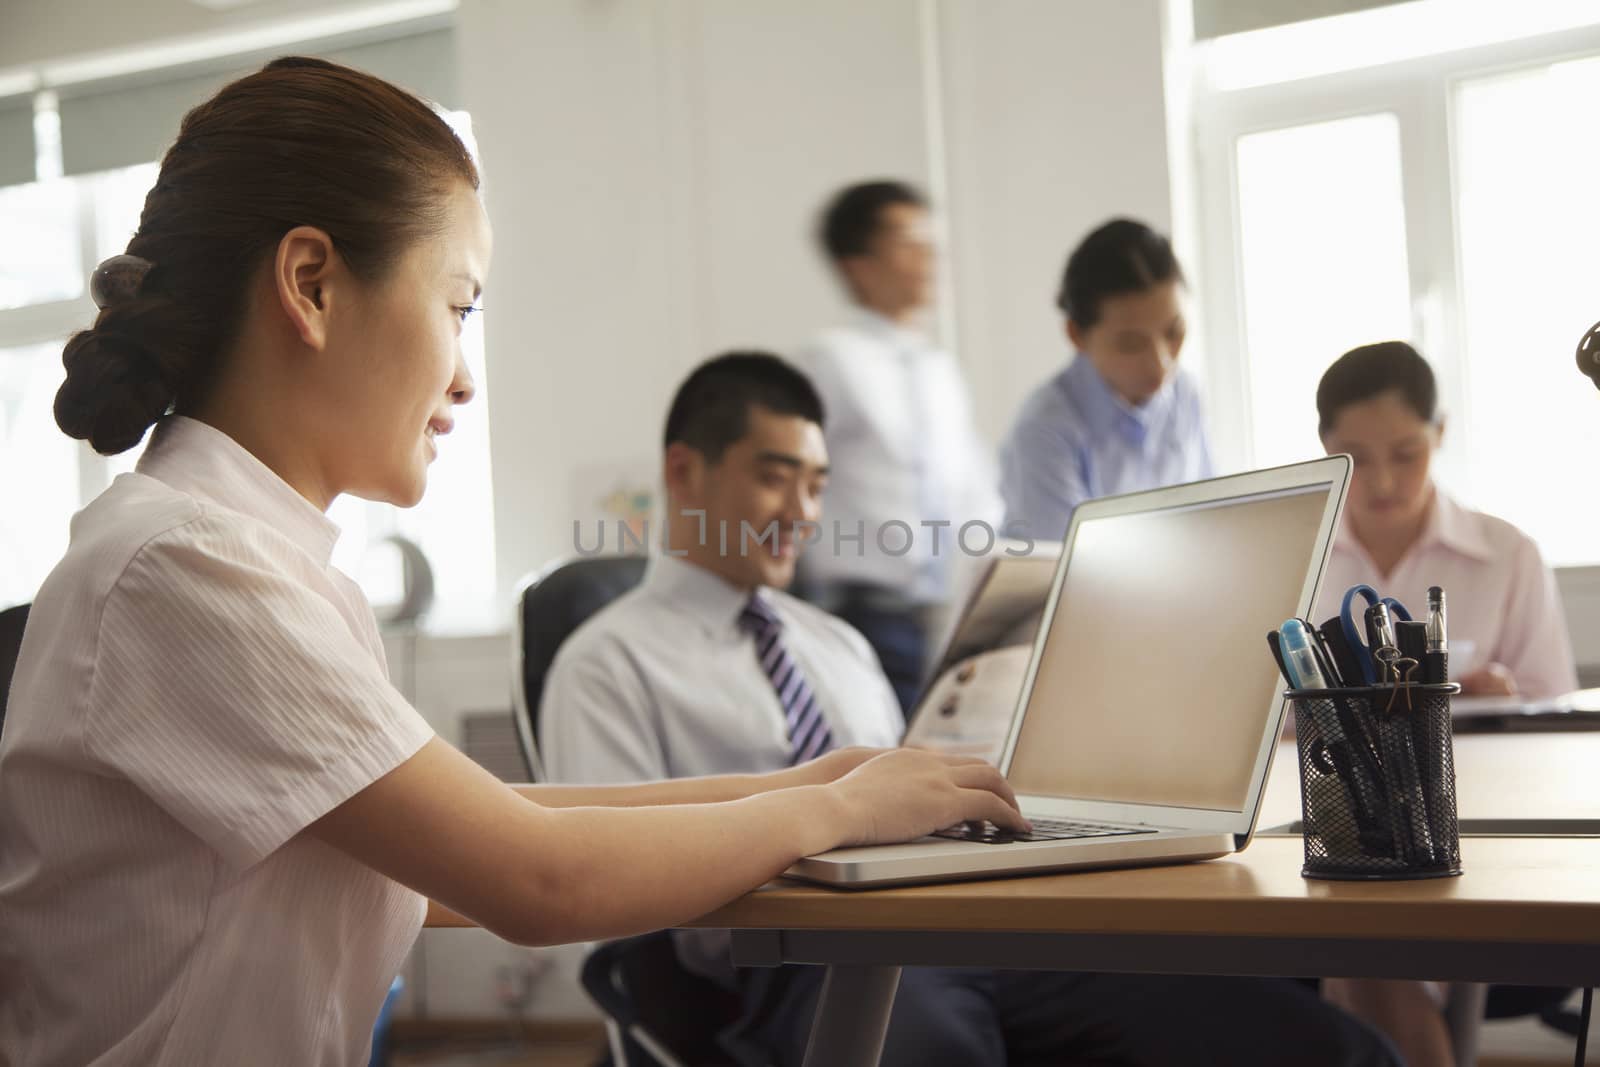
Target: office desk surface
1528, 890
1498, 776
1515, 889
1527, 909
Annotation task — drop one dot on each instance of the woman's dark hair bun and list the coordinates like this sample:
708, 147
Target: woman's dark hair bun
115, 390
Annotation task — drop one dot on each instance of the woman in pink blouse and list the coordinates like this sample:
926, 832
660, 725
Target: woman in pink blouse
219, 823
1402, 533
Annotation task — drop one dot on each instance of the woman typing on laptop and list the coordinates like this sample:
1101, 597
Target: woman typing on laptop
221, 822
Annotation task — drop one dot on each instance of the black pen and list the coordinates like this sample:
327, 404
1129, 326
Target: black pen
1380, 635
1436, 661
1338, 647
1325, 660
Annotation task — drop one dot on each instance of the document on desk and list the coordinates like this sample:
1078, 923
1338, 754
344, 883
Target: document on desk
1489, 714
1581, 701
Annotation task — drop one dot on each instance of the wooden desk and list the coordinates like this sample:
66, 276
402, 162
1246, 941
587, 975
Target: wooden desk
1498, 776
1526, 910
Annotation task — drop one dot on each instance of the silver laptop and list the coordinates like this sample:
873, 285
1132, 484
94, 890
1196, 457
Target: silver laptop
1151, 707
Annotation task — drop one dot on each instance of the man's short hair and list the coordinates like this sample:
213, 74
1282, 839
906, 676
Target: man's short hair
1372, 370
1122, 256
711, 410
852, 217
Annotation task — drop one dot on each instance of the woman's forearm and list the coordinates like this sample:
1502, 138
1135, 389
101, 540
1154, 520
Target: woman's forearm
710, 790
609, 872
707, 790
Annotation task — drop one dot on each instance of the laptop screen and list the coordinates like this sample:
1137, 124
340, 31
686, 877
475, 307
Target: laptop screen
1154, 679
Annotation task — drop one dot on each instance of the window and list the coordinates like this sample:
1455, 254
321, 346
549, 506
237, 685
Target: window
1530, 287
1409, 192
1322, 240
38, 470
41, 217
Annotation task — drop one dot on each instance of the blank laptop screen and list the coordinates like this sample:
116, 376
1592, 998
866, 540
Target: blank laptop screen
1155, 679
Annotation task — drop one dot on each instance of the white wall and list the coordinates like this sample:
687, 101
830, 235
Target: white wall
1055, 121
655, 171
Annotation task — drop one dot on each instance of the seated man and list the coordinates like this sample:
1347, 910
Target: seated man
710, 667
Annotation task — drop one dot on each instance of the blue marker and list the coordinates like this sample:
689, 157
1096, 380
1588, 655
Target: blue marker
1300, 657
1363, 781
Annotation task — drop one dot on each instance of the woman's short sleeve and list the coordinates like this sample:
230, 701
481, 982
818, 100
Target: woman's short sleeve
237, 696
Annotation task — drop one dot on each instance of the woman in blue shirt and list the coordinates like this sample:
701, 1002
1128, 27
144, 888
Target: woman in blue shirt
1121, 416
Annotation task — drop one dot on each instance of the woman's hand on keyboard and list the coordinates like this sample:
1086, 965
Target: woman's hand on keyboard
907, 793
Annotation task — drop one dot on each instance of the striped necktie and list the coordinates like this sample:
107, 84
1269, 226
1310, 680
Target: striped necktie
809, 736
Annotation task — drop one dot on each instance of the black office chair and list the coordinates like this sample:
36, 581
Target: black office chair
656, 1011
550, 605
12, 620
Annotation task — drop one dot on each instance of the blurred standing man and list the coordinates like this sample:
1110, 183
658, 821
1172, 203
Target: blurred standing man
910, 466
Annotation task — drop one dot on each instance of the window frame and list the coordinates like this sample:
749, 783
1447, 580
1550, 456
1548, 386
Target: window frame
1420, 92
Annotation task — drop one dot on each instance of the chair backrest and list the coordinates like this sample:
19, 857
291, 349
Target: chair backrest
657, 1011
12, 620
550, 605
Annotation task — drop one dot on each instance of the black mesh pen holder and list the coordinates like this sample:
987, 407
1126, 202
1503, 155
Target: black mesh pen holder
1377, 782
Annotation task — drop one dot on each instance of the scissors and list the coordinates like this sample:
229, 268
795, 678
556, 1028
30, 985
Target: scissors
1371, 644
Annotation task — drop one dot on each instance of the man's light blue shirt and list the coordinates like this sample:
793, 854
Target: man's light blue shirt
1076, 439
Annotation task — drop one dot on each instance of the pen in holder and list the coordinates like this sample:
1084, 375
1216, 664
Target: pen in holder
1377, 781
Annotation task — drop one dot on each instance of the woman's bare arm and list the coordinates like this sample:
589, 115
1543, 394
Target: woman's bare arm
708, 790
537, 874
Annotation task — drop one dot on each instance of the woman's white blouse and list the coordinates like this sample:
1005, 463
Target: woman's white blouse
196, 686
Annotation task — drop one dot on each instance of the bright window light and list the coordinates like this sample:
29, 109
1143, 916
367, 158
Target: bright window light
1528, 230
40, 261
1323, 265
38, 469
1379, 36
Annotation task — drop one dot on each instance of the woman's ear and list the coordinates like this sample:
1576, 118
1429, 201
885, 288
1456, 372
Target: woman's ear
302, 275
1438, 431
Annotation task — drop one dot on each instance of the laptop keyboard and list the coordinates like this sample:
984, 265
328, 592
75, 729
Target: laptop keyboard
1043, 830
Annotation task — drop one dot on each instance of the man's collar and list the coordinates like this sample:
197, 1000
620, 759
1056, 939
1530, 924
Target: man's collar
879, 325
710, 599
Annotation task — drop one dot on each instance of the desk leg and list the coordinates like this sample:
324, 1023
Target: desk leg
852, 1016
